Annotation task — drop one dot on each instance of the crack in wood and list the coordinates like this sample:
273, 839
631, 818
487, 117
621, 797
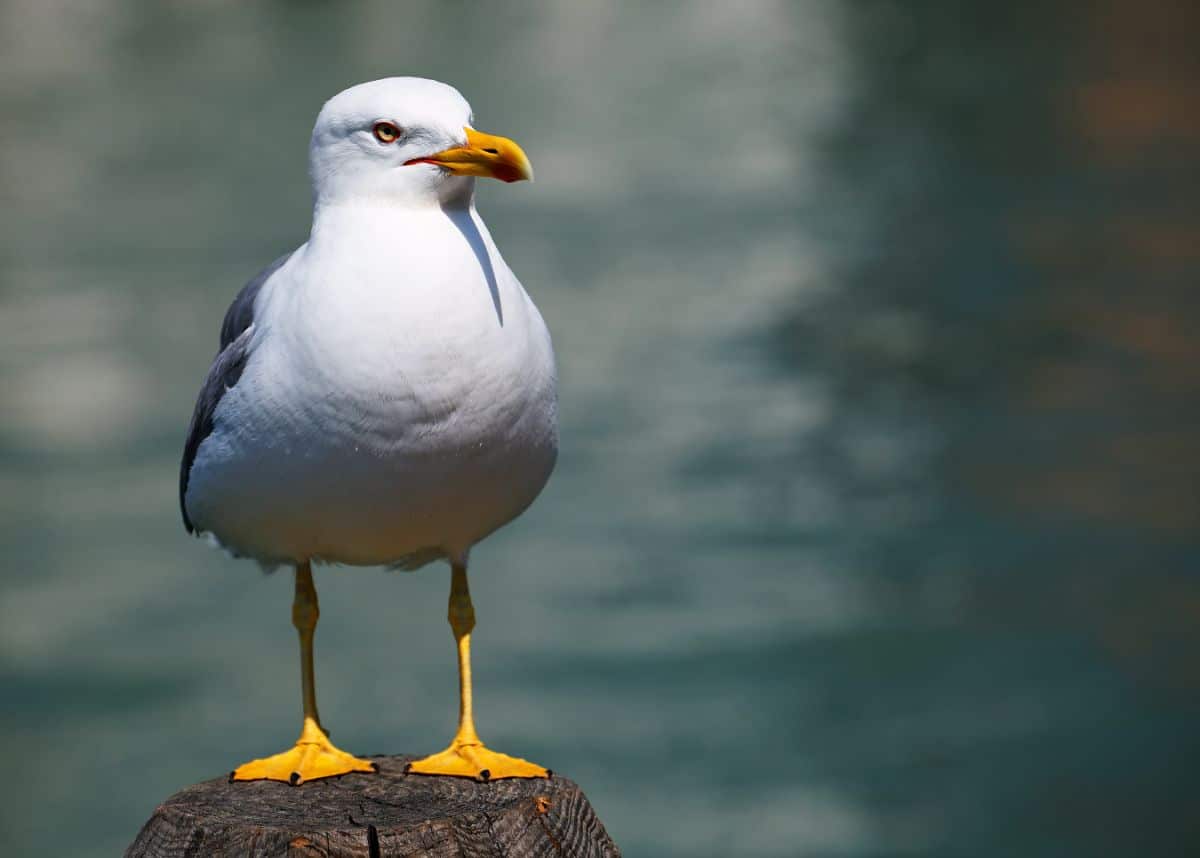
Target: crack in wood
416, 817
541, 806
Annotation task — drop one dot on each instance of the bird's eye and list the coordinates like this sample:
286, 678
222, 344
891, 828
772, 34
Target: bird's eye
386, 132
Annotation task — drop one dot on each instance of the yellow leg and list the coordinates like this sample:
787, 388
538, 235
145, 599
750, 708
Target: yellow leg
313, 756
467, 757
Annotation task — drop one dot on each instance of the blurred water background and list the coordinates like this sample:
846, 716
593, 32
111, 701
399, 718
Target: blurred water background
874, 527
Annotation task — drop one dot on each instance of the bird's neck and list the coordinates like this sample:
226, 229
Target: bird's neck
376, 217
414, 191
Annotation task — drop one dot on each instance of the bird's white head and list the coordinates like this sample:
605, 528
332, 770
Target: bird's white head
406, 141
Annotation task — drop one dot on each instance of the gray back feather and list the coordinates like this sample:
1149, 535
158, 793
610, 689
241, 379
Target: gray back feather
224, 373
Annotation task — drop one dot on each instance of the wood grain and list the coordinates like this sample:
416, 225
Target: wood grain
384, 815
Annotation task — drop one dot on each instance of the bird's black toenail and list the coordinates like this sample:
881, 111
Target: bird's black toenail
232, 776
484, 774
294, 778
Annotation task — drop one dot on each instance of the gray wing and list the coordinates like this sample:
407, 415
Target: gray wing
240, 314
224, 373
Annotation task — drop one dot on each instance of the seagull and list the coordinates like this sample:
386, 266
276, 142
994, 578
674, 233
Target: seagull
385, 394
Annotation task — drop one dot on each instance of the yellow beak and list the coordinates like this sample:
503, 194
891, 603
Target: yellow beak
484, 155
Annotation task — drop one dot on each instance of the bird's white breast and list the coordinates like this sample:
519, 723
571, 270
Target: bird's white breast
398, 403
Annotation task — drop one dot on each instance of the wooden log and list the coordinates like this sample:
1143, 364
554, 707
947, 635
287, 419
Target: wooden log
382, 815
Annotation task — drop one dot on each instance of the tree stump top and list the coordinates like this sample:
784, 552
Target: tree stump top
385, 814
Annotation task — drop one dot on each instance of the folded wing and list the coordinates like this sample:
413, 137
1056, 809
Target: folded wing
224, 373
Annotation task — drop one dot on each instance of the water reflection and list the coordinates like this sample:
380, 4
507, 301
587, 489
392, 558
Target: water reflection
1016, 420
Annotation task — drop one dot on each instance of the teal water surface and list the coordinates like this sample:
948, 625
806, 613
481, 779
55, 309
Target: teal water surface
873, 529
